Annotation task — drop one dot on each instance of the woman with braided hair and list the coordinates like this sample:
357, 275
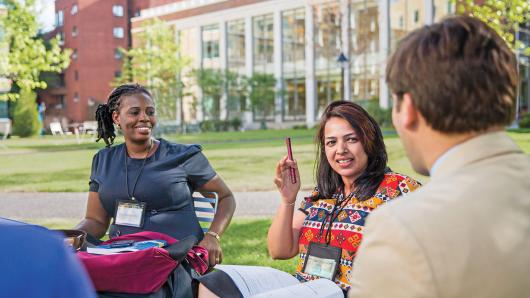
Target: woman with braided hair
147, 183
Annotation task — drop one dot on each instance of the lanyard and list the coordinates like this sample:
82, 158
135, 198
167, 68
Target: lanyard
341, 202
139, 173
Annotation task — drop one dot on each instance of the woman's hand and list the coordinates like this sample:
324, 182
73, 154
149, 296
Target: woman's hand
212, 245
286, 187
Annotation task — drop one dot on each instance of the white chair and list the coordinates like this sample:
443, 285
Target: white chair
90, 127
5, 129
56, 128
205, 208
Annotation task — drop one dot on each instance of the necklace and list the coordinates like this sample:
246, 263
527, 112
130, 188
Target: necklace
139, 173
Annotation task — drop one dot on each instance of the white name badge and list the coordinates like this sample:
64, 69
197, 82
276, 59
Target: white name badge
130, 213
322, 260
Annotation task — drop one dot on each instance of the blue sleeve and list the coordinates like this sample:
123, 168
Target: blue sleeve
93, 185
71, 276
198, 169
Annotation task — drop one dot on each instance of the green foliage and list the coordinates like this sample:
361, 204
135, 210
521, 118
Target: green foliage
262, 92
25, 115
221, 125
212, 84
382, 116
215, 83
524, 122
156, 62
504, 16
27, 55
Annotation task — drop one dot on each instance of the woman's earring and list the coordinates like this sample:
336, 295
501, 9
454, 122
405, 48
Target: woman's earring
119, 126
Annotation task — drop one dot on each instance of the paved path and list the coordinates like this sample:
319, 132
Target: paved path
72, 205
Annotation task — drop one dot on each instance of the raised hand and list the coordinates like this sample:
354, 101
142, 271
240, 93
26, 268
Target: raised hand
287, 189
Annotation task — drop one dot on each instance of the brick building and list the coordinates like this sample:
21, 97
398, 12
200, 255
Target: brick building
94, 30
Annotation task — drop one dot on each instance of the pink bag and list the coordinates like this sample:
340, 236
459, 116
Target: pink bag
139, 272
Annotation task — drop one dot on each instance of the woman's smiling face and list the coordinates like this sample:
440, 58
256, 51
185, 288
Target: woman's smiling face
344, 151
136, 116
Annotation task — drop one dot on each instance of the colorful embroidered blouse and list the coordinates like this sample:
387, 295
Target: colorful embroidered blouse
347, 228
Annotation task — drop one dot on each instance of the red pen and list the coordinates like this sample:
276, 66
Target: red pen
290, 157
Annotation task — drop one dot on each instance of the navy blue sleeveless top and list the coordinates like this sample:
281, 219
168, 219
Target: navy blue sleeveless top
169, 178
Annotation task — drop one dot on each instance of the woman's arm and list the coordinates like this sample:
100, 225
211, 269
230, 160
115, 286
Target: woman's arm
285, 229
225, 210
96, 220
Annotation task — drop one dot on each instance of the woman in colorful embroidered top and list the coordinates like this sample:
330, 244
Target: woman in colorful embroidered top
352, 180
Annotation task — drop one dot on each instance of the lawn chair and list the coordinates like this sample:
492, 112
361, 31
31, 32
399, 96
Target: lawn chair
56, 128
205, 208
90, 127
5, 130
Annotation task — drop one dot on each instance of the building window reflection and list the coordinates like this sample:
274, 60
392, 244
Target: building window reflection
263, 51
236, 100
210, 46
327, 43
364, 49
293, 48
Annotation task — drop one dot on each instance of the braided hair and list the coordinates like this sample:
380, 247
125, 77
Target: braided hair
104, 111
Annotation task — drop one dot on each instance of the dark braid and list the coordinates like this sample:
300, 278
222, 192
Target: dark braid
104, 111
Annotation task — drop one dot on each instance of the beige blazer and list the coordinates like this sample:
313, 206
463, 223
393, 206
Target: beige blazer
464, 234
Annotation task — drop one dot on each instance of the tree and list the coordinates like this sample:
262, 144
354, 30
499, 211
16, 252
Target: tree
27, 57
506, 17
212, 84
155, 62
27, 54
262, 94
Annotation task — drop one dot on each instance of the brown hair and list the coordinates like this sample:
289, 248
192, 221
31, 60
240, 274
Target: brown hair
369, 133
461, 75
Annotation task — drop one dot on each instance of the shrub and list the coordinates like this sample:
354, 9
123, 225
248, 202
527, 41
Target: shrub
383, 117
25, 116
524, 121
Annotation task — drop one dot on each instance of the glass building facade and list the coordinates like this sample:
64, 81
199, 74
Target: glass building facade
299, 42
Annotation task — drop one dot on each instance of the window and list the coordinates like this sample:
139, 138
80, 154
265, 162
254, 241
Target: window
59, 18
74, 31
76, 97
76, 75
117, 73
118, 54
210, 46
416, 16
73, 11
118, 32
117, 10
60, 36
74, 54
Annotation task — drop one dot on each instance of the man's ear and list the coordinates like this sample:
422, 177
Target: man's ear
410, 115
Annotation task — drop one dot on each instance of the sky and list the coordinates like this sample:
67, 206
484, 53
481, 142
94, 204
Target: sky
46, 14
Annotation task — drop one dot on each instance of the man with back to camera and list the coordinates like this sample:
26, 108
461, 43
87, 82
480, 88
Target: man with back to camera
35, 262
467, 232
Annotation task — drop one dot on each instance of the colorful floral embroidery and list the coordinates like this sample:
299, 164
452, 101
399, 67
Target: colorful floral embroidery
347, 229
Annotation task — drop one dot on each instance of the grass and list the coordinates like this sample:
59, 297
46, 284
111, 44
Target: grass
245, 160
244, 242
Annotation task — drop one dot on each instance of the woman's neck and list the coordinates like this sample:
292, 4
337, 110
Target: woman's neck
139, 150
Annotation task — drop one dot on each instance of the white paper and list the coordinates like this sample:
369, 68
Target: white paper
252, 280
321, 288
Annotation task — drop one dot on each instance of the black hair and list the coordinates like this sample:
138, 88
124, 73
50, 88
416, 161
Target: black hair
371, 137
104, 111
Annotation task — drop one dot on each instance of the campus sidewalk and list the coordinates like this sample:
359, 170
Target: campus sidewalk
72, 205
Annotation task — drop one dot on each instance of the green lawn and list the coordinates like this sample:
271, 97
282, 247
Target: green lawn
244, 243
245, 160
